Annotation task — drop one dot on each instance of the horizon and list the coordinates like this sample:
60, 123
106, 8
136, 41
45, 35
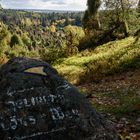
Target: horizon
32, 9
59, 5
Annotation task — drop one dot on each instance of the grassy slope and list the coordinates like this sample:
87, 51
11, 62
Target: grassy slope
110, 58
110, 76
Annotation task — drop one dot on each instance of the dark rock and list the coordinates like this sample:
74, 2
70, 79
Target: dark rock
37, 104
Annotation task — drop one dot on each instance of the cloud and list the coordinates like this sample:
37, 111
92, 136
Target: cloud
45, 4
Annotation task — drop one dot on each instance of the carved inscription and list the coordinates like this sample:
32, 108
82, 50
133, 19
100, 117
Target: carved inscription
13, 122
24, 112
34, 101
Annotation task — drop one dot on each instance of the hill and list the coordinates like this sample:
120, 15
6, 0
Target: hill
110, 77
108, 59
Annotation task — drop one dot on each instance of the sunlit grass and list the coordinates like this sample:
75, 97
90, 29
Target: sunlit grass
115, 56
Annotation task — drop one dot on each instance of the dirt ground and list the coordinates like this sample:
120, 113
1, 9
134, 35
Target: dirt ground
118, 98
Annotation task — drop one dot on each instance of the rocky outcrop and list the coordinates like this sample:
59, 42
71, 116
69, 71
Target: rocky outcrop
37, 104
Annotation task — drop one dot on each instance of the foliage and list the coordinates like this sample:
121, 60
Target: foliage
74, 35
58, 37
15, 40
116, 19
45, 19
17, 51
52, 28
26, 40
52, 54
90, 19
110, 58
41, 35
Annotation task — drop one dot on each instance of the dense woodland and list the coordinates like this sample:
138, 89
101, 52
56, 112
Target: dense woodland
40, 34
54, 35
97, 50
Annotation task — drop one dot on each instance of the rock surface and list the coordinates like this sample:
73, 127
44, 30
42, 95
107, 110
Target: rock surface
37, 104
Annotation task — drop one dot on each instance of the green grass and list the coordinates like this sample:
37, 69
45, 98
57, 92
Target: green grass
127, 104
110, 58
121, 102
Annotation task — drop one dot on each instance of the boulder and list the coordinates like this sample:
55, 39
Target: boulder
37, 104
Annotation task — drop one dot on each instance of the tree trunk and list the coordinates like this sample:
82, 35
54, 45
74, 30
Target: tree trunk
93, 13
126, 28
124, 5
98, 20
138, 8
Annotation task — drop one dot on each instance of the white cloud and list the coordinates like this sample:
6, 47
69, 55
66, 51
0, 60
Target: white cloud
46, 4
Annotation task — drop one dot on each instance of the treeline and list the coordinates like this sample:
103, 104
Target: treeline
25, 18
50, 36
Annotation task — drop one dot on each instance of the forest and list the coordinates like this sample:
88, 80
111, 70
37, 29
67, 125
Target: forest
39, 34
98, 50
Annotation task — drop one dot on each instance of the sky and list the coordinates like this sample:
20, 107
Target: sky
45, 4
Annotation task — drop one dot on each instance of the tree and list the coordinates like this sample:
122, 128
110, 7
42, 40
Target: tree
15, 40
91, 17
4, 39
124, 8
26, 40
73, 34
119, 13
53, 28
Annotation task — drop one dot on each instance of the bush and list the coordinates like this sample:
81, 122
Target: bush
74, 35
17, 51
26, 40
51, 54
